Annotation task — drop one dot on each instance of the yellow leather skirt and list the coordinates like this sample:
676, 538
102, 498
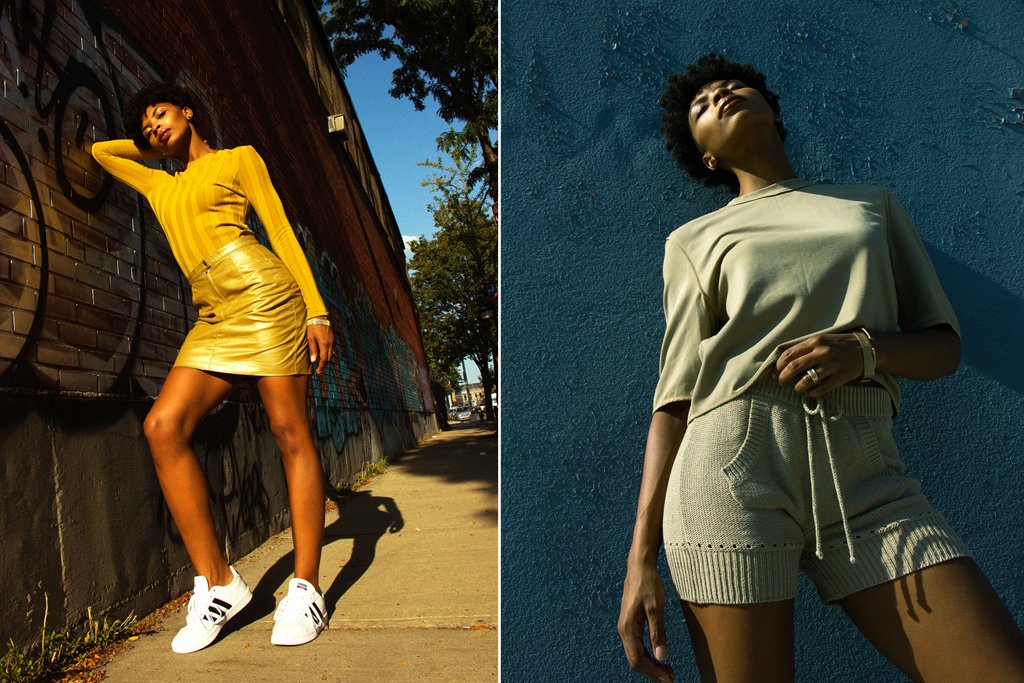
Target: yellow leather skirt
252, 318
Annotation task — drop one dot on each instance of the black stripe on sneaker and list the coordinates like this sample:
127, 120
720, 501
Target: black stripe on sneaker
318, 616
218, 601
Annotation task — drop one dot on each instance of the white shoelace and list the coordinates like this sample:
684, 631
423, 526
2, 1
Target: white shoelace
206, 607
291, 606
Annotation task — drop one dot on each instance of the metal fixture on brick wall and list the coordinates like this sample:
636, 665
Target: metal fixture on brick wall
336, 126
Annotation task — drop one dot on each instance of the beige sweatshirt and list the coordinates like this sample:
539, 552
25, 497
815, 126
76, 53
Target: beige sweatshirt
782, 264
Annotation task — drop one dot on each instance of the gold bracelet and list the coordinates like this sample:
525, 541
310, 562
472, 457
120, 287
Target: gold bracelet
318, 321
868, 350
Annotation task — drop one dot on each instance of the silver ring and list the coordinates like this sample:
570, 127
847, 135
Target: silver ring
813, 374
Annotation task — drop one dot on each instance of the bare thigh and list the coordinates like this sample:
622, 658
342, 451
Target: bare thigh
186, 396
742, 643
284, 399
941, 623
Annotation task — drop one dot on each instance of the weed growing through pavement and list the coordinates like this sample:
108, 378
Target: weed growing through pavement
366, 474
57, 652
369, 471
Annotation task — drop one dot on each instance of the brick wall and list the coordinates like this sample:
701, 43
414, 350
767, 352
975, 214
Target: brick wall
93, 307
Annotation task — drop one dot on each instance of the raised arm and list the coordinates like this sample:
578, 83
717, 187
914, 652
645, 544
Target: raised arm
120, 158
260, 192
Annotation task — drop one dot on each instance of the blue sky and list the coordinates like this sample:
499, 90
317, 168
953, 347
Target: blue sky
399, 138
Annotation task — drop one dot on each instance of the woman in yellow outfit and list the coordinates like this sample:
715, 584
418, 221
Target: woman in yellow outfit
259, 315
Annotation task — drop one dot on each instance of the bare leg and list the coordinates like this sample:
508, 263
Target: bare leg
942, 623
186, 396
742, 643
285, 401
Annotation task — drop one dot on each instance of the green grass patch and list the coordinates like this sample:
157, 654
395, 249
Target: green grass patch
55, 653
337, 495
369, 471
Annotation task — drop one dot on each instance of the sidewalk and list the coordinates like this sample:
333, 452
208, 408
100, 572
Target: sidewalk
410, 574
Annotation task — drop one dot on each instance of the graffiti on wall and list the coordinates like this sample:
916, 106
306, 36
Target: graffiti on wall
92, 303
75, 282
91, 300
375, 370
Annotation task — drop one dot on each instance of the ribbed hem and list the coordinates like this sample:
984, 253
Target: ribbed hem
733, 576
899, 549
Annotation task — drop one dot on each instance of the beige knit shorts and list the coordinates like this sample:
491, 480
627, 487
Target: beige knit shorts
773, 482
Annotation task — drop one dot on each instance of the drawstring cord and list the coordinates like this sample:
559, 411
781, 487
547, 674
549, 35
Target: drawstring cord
810, 411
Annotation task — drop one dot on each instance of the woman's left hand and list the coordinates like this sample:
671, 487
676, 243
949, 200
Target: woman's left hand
836, 358
321, 345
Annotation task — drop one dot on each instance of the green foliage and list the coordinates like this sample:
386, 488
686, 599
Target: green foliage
56, 652
368, 472
443, 370
452, 271
447, 50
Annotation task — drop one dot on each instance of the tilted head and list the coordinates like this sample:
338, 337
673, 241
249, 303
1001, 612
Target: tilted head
161, 116
701, 118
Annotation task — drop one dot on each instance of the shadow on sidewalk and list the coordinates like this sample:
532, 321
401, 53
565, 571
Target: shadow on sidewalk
472, 456
364, 518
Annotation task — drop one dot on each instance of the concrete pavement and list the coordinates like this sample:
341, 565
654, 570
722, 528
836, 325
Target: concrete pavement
410, 574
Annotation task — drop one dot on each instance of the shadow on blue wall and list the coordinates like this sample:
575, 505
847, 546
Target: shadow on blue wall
917, 97
991, 320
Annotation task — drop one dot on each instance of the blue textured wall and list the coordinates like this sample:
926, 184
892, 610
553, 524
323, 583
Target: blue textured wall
916, 96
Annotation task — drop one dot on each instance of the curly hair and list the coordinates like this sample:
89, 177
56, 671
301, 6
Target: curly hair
675, 122
158, 91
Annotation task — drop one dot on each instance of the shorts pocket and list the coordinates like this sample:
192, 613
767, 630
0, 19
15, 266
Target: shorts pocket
757, 475
878, 448
870, 453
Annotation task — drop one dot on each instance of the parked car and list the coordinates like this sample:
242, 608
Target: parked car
463, 413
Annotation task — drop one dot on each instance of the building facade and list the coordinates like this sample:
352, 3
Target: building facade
93, 306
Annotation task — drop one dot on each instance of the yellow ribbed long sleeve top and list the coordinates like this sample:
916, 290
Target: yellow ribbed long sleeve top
203, 207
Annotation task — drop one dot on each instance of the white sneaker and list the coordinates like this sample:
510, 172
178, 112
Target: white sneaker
301, 615
208, 610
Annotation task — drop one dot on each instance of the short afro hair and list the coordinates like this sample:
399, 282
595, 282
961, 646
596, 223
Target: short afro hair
675, 122
158, 91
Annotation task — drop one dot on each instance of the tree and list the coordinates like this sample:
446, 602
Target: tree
447, 49
453, 272
443, 370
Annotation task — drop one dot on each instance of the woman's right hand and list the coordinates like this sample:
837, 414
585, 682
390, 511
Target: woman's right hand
643, 604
